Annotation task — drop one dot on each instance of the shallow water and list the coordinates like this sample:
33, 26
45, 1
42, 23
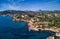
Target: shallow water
19, 30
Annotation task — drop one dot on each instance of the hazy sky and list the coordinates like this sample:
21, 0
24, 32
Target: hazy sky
30, 5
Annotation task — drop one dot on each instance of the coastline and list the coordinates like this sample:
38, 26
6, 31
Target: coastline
31, 26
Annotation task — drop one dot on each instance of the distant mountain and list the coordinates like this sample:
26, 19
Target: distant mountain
11, 12
28, 12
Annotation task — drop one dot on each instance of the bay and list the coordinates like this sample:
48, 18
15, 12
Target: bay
10, 29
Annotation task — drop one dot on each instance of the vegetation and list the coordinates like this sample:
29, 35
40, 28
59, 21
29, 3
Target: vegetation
50, 16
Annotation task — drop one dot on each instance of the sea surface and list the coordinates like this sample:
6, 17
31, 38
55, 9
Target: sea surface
10, 29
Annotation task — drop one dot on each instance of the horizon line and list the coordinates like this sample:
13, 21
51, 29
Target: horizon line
32, 10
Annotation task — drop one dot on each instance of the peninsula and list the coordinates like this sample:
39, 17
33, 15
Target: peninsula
37, 20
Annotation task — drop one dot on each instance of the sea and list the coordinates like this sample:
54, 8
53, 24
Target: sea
10, 29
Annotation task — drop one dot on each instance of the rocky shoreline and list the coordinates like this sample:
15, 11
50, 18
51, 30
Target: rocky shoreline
32, 27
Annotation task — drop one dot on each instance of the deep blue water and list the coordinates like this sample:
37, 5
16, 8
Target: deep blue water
10, 29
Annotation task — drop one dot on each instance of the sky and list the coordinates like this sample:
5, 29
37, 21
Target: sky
32, 5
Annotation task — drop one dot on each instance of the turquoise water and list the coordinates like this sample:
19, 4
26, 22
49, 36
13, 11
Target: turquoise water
19, 30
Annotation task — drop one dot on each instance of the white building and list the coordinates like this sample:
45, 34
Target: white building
50, 37
58, 34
